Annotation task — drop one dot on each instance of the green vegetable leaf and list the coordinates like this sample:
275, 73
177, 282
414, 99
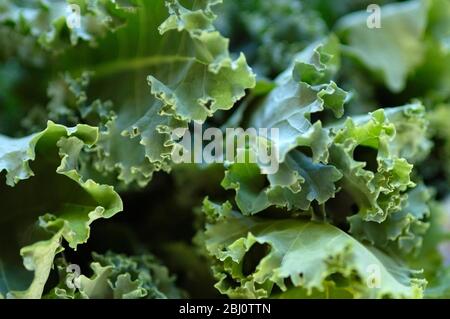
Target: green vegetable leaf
303, 89
119, 276
59, 24
190, 75
252, 255
379, 190
402, 231
63, 211
393, 50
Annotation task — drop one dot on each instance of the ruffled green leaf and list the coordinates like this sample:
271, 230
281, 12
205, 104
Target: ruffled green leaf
377, 191
57, 25
303, 89
402, 231
37, 219
395, 49
168, 66
117, 276
298, 182
190, 75
254, 257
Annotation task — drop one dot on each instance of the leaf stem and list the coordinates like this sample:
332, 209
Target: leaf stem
137, 63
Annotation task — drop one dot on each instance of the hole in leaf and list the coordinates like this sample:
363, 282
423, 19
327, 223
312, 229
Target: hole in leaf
339, 208
314, 117
231, 282
208, 104
288, 282
305, 150
367, 155
253, 257
338, 279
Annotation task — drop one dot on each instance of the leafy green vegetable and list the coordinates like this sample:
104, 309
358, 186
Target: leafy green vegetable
401, 32
303, 89
98, 99
38, 218
255, 254
119, 277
